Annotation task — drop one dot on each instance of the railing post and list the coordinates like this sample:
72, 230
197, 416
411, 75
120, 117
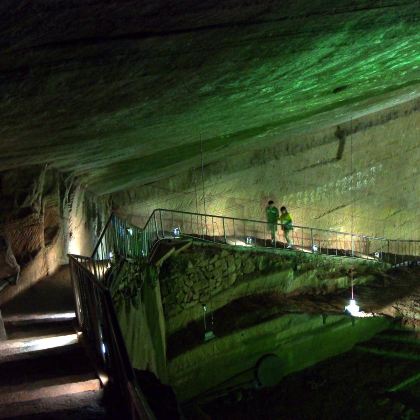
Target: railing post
161, 225
291, 232
352, 245
336, 244
224, 230
156, 226
312, 240
234, 233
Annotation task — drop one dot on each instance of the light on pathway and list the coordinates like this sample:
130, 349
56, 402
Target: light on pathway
249, 240
352, 308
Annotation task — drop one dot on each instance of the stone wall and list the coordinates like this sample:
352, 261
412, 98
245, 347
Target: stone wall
216, 275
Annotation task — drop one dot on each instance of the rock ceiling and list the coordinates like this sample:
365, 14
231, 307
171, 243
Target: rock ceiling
123, 93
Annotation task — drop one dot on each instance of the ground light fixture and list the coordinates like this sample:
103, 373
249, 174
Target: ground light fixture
353, 308
176, 232
315, 248
208, 334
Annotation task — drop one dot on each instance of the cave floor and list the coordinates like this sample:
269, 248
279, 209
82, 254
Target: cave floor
355, 384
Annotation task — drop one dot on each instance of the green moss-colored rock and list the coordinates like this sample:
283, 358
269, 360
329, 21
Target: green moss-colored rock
298, 341
231, 273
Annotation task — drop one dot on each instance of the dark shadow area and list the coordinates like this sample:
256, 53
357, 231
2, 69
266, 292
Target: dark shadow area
341, 136
339, 89
352, 385
161, 397
51, 294
50, 234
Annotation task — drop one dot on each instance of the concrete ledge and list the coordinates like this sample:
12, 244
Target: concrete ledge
299, 340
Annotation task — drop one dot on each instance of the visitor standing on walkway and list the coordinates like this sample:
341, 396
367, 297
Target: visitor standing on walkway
272, 213
286, 225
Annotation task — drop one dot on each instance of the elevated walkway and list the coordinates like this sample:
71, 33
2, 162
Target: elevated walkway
119, 237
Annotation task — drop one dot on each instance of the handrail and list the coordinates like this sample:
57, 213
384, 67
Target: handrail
102, 234
98, 321
118, 236
261, 221
255, 233
246, 232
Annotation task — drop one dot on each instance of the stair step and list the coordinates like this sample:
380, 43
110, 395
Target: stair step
49, 388
26, 330
19, 349
45, 365
41, 317
80, 406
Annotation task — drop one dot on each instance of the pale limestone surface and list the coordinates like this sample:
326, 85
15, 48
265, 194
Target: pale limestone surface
370, 189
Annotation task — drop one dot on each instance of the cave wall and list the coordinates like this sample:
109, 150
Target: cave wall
42, 218
358, 175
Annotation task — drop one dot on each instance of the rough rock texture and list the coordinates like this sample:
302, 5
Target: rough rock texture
360, 176
122, 93
30, 227
213, 107
42, 218
216, 276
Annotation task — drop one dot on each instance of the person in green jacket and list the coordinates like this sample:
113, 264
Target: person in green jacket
286, 225
272, 213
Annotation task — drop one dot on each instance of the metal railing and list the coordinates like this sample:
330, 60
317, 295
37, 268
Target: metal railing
98, 321
130, 241
256, 234
118, 236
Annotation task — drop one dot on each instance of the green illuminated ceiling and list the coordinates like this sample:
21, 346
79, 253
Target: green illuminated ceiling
122, 94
